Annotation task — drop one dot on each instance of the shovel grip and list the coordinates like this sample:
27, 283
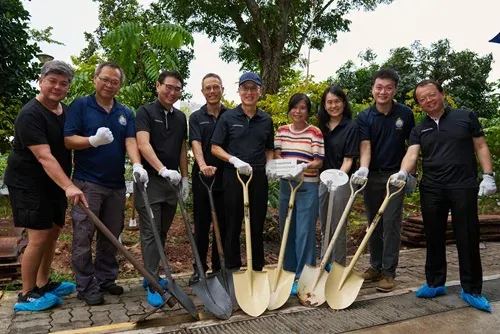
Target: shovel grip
104, 230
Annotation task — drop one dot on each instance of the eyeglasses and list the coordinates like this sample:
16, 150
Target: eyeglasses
209, 88
106, 81
170, 88
251, 89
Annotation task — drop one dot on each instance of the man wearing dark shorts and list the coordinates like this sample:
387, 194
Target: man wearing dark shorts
37, 177
100, 130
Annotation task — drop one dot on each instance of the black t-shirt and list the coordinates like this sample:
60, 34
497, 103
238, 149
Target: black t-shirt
36, 125
166, 133
244, 138
201, 128
387, 134
342, 142
448, 159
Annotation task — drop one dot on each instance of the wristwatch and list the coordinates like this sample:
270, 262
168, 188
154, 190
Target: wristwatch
490, 174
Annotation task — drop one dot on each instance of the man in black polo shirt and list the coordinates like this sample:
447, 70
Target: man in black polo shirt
448, 139
384, 129
244, 139
161, 132
37, 177
201, 127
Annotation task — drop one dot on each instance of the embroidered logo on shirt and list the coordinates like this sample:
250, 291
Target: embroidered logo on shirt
201, 123
122, 120
426, 130
158, 120
238, 125
399, 123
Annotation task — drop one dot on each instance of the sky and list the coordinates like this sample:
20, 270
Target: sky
399, 24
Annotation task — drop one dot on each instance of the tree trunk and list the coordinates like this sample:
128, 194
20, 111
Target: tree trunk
270, 73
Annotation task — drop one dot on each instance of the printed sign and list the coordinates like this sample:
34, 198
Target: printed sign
281, 167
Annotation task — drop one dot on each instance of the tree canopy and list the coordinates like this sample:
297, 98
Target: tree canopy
264, 36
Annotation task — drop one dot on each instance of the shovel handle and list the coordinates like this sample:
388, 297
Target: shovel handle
104, 230
246, 210
284, 237
372, 227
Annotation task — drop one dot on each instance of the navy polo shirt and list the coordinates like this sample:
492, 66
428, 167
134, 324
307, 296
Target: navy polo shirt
166, 133
448, 154
105, 164
387, 134
341, 142
245, 138
201, 128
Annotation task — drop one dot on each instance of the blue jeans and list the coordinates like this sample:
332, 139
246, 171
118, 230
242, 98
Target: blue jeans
301, 243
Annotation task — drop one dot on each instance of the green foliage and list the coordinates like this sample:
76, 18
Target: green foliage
274, 194
492, 131
265, 36
44, 35
463, 75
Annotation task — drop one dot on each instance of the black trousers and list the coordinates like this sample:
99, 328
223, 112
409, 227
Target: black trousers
436, 203
203, 218
233, 201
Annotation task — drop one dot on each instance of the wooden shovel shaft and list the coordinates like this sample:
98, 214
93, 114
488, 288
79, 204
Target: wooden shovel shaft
284, 238
246, 209
104, 230
370, 230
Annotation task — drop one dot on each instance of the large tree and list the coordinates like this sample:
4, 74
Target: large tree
264, 36
18, 65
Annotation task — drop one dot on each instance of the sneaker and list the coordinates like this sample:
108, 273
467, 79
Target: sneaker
294, 288
154, 298
112, 289
371, 275
328, 267
386, 284
91, 299
59, 288
36, 300
194, 278
476, 301
426, 291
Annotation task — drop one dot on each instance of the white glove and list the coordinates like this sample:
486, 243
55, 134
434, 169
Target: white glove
360, 176
487, 186
141, 173
398, 178
299, 169
184, 188
170, 174
103, 136
330, 186
243, 167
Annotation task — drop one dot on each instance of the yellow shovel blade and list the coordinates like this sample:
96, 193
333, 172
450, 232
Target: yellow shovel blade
339, 298
310, 295
252, 291
282, 293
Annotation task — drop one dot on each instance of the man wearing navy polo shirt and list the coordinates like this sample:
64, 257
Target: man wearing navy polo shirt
384, 129
100, 131
448, 139
201, 127
244, 139
161, 135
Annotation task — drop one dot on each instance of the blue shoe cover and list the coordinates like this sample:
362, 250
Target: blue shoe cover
64, 289
426, 291
45, 302
294, 288
476, 301
328, 267
161, 281
154, 298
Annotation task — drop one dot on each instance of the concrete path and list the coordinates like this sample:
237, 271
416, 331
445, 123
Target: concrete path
119, 312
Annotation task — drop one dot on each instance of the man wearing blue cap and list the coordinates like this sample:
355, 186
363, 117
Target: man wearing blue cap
244, 139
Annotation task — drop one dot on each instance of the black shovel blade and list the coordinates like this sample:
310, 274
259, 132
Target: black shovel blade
182, 298
226, 278
214, 297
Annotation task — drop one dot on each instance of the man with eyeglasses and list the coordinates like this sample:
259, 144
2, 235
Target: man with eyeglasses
101, 131
244, 140
161, 131
450, 140
201, 127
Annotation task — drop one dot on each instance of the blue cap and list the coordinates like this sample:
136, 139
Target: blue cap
250, 76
